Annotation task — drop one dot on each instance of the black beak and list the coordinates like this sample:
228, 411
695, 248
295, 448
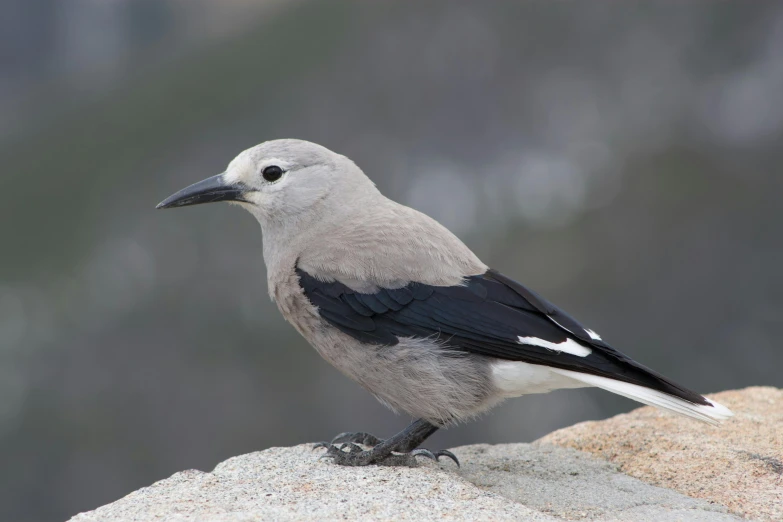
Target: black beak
210, 190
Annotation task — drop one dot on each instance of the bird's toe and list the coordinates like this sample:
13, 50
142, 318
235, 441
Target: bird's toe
353, 457
352, 448
358, 437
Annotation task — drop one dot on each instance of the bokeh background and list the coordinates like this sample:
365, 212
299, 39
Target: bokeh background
622, 158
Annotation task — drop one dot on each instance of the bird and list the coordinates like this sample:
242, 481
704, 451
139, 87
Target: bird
396, 302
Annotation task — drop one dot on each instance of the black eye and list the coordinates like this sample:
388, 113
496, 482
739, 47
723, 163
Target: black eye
272, 173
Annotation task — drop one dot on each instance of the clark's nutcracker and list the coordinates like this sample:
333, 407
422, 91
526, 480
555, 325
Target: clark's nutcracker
399, 304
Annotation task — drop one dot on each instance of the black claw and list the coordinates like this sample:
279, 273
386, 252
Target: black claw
342, 437
421, 452
436, 455
329, 453
447, 453
334, 452
322, 444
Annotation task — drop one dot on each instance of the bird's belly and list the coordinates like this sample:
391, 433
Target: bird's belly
415, 376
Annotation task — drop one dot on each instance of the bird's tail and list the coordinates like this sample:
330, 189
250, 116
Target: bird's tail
711, 413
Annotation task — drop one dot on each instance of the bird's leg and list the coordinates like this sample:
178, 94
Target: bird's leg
397, 450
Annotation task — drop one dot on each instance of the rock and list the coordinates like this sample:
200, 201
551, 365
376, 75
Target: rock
738, 465
532, 482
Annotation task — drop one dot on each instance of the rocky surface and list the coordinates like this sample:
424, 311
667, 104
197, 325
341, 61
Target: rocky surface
641, 466
738, 465
505, 482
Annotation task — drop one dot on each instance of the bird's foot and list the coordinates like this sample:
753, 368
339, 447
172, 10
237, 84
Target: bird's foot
351, 454
398, 450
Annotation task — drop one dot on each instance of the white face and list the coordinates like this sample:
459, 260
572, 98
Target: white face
281, 186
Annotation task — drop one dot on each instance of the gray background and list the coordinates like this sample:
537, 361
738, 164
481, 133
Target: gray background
623, 159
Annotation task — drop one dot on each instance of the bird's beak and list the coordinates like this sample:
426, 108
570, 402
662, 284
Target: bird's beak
210, 190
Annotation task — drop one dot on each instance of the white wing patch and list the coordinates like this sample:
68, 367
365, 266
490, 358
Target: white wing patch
567, 346
594, 336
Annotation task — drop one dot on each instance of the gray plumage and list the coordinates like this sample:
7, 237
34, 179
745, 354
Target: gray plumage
324, 217
347, 231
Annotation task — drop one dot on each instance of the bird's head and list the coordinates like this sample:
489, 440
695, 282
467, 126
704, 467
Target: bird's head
279, 181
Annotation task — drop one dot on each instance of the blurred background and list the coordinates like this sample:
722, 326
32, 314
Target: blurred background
623, 159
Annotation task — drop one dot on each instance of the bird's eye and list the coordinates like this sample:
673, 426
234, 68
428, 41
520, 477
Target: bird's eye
272, 173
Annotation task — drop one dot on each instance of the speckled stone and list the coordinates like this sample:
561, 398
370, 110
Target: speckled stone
505, 482
738, 464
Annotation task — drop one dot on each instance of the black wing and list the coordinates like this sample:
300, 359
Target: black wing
486, 316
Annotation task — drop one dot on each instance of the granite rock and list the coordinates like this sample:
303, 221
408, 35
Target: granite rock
738, 464
532, 482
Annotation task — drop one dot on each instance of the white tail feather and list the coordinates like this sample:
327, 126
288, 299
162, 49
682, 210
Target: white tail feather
713, 414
